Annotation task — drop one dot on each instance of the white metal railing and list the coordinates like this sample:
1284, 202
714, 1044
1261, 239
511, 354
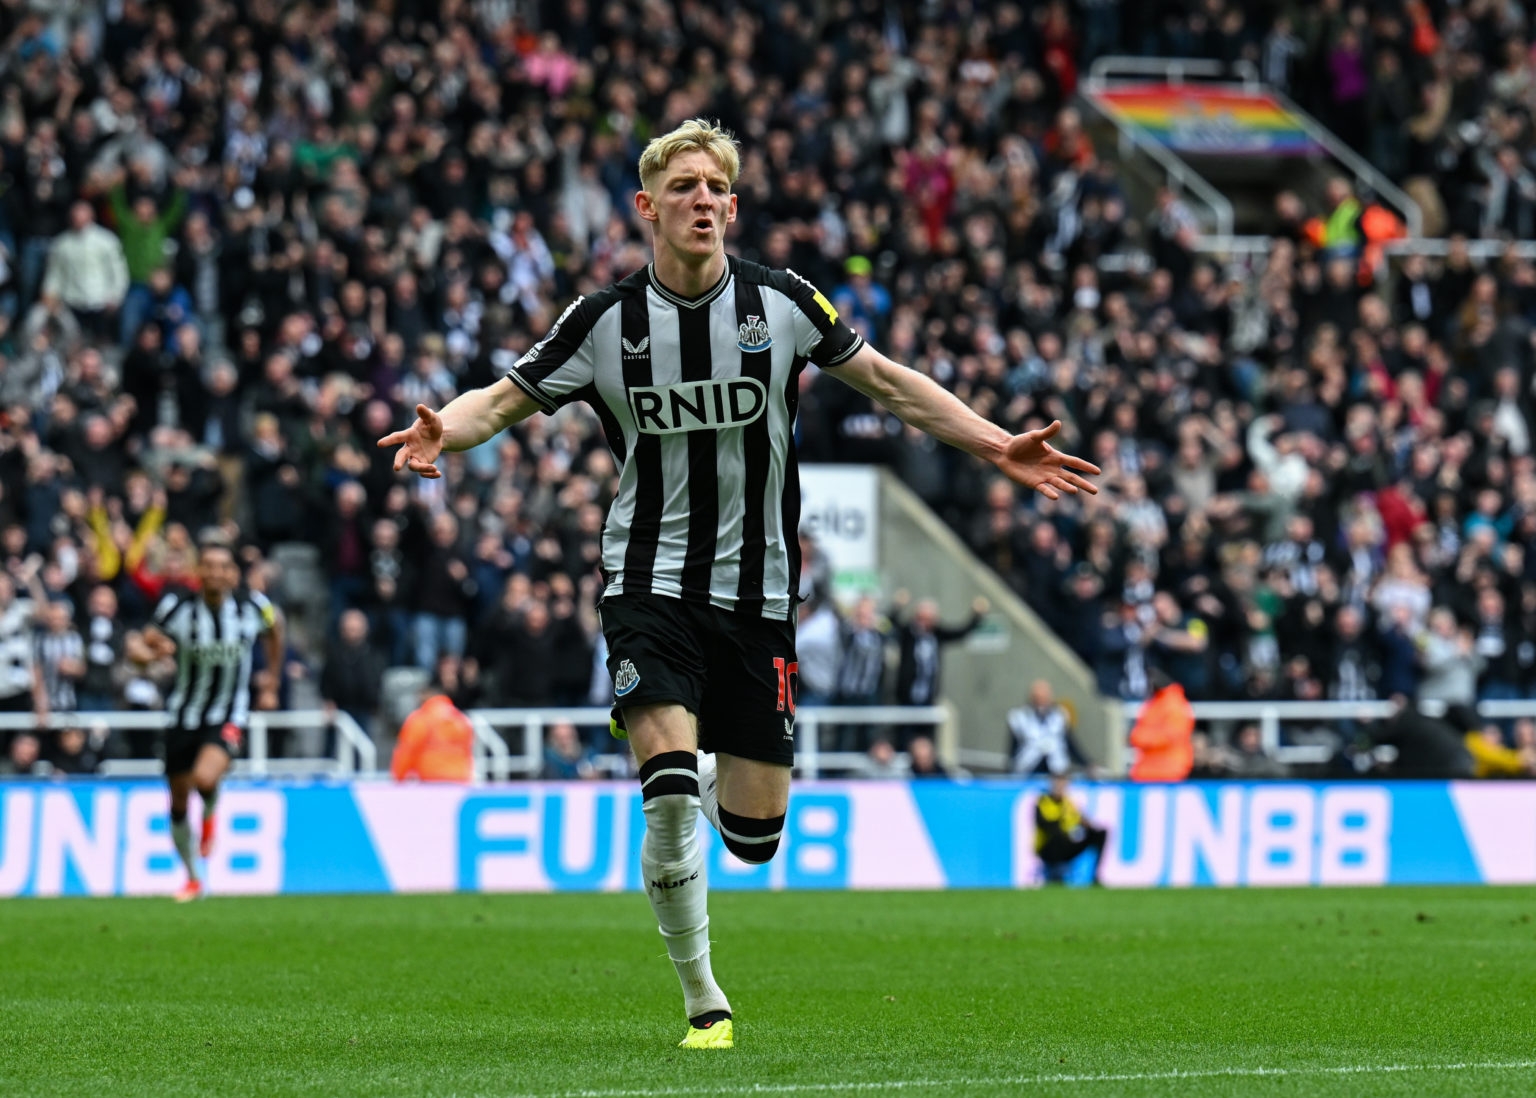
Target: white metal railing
1270, 715
810, 760
357, 755
355, 751
496, 761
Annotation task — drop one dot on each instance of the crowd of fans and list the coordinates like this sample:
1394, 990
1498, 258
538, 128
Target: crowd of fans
240, 240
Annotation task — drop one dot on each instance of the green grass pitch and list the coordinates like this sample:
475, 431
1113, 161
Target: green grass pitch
1091, 993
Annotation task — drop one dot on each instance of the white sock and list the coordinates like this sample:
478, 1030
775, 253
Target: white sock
709, 794
676, 884
181, 835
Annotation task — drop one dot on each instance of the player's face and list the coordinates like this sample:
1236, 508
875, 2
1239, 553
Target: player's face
216, 571
691, 204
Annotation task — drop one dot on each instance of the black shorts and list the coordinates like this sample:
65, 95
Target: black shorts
183, 745
735, 672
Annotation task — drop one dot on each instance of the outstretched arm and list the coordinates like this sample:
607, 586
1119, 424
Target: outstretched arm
467, 421
919, 401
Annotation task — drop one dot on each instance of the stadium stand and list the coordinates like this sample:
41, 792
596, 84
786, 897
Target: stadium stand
239, 240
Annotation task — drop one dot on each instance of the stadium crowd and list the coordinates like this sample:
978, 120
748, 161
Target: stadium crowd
240, 240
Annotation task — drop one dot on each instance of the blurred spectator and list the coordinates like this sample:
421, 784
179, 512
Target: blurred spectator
60, 657
1450, 660
87, 272
817, 644
436, 743
74, 752
920, 639
104, 638
460, 680
1042, 734
925, 760
1248, 759
862, 667
443, 593
1493, 758
22, 757
1428, 747
1208, 760
349, 682
21, 686
881, 761
144, 229
862, 302
566, 758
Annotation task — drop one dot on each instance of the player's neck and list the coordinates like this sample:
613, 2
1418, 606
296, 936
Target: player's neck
213, 602
685, 278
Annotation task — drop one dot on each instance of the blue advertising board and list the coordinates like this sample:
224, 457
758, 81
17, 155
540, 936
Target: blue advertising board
111, 838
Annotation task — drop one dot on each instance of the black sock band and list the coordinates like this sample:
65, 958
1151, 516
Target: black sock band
709, 1018
752, 840
178, 817
670, 773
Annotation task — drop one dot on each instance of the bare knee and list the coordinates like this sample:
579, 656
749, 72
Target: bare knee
654, 729
211, 764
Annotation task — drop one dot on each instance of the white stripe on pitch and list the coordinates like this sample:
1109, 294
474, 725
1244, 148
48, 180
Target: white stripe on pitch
1034, 1080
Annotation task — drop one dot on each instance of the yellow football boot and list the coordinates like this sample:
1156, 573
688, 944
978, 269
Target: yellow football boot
709, 1034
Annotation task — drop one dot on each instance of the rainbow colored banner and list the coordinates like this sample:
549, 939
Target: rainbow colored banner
1211, 120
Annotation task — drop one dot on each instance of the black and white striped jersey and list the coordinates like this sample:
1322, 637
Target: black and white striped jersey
213, 655
698, 400
17, 650
53, 649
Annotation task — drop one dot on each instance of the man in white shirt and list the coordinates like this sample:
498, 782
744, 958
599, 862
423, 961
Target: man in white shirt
87, 271
1042, 734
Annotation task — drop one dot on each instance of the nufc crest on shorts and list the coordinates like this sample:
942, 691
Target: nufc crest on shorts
625, 679
753, 335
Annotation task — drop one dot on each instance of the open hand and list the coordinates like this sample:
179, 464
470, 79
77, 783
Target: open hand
420, 444
1032, 461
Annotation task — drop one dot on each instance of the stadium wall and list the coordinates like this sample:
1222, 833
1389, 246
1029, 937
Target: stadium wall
990, 672
111, 838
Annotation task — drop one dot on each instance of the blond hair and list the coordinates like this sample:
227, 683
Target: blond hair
694, 135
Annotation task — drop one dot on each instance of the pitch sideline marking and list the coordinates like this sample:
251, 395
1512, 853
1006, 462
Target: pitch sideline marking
1035, 1080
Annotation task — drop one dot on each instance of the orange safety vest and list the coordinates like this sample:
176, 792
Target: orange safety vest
1161, 737
436, 744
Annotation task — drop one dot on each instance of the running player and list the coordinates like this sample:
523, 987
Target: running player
211, 633
691, 365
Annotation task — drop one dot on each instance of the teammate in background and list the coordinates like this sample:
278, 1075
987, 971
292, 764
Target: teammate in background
211, 633
691, 365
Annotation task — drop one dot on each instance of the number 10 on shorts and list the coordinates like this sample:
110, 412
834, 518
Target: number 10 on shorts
786, 670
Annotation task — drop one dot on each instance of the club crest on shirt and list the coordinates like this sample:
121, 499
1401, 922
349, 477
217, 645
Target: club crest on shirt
626, 679
753, 335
